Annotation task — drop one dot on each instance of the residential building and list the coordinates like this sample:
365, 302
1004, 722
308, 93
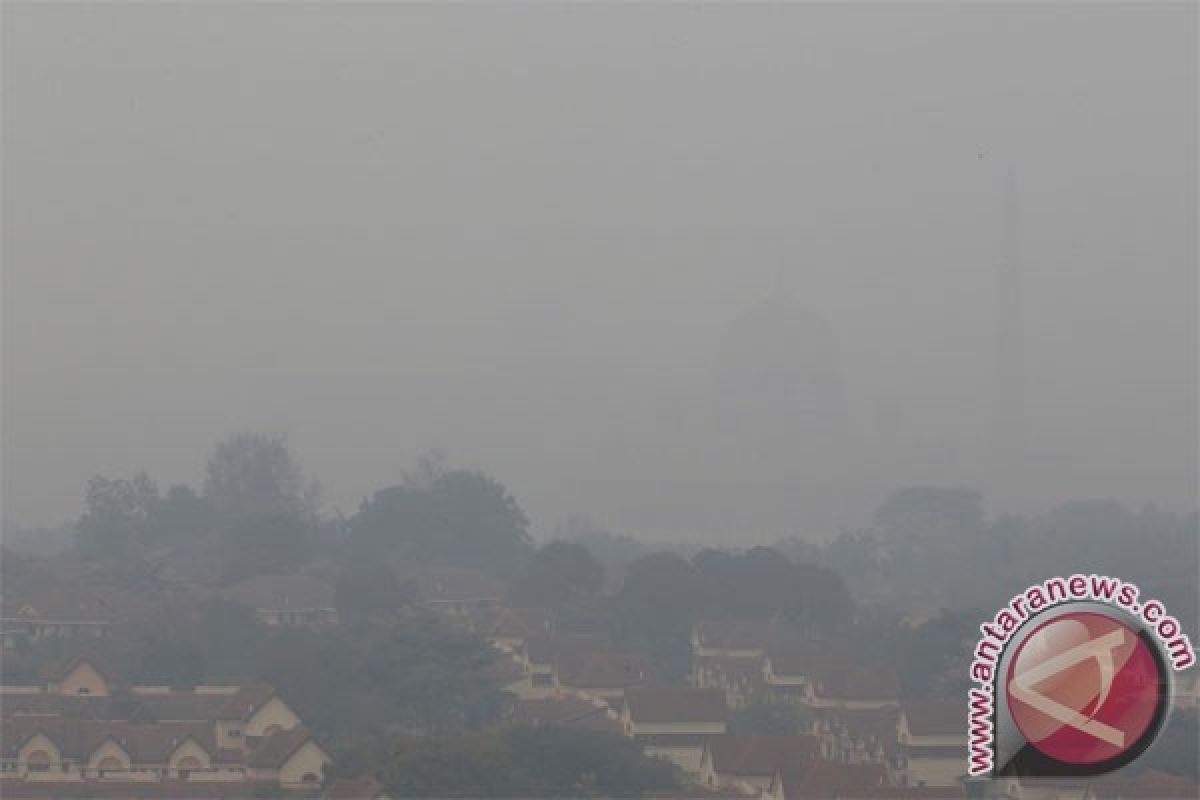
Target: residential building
674, 723
607, 674
455, 591
752, 763
933, 739
298, 600
82, 734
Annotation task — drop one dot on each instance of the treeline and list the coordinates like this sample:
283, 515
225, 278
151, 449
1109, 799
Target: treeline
935, 548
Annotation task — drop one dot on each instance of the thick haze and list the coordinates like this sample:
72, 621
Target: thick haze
520, 235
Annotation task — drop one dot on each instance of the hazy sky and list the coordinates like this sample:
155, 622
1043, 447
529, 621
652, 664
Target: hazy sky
518, 232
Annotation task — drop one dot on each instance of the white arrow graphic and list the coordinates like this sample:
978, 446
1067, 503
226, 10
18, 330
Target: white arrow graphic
1021, 686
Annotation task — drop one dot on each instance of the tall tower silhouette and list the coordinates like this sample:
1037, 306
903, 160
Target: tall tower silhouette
1009, 425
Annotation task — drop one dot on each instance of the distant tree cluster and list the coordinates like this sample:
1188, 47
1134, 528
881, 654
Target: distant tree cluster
934, 547
459, 517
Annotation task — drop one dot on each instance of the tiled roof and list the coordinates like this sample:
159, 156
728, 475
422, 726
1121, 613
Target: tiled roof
78, 739
273, 751
243, 703
512, 622
603, 669
676, 705
760, 755
811, 659
567, 711
859, 683
152, 707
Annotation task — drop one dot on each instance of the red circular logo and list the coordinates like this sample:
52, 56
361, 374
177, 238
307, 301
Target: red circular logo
1084, 688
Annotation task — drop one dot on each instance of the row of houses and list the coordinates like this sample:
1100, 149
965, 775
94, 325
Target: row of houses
82, 734
859, 732
862, 740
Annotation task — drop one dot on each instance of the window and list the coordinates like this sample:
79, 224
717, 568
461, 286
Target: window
235, 733
83, 690
310, 777
110, 764
38, 761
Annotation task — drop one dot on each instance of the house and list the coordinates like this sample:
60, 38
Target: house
731, 639
932, 735
855, 687
827, 675
79, 676
791, 670
858, 736
299, 600
541, 655
674, 723
569, 711
508, 629
740, 678
455, 591
751, 763
607, 674
69, 611
510, 675
85, 732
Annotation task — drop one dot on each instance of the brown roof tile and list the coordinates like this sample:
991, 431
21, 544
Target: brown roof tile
760, 755
603, 669
676, 705
272, 752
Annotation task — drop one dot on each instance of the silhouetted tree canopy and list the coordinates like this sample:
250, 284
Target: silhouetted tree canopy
459, 517
560, 574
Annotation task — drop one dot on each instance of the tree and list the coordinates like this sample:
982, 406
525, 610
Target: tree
364, 593
663, 592
662, 598
483, 526
116, 516
255, 474
266, 513
184, 519
461, 517
560, 574
260, 544
411, 673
